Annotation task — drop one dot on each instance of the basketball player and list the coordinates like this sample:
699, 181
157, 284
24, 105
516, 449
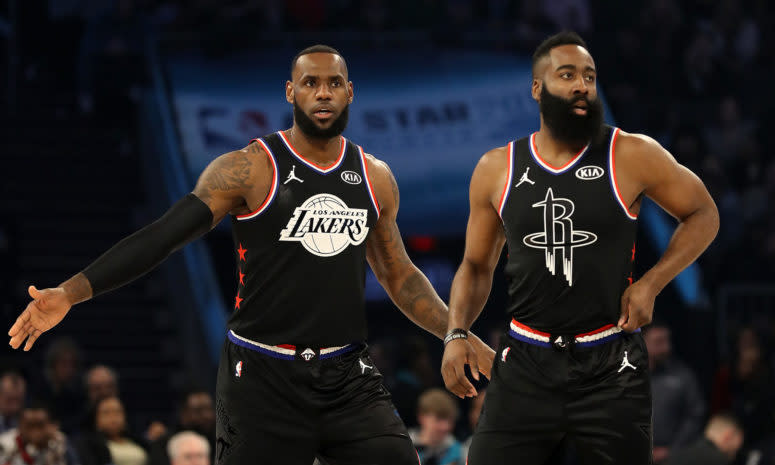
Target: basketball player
573, 366
308, 209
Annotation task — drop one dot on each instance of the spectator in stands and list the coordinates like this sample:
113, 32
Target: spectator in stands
188, 448
474, 412
677, 401
746, 388
437, 412
723, 438
13, 390
197, 414
101, 381
109, 442
61, 387
36, 441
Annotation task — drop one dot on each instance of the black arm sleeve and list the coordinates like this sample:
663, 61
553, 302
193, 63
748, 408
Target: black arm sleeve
139, 253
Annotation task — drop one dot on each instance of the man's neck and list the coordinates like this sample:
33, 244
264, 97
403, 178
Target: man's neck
320, 151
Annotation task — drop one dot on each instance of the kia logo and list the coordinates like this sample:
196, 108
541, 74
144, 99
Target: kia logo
587, 173
351, 177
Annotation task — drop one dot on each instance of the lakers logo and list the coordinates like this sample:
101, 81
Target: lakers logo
558, 235
325, 225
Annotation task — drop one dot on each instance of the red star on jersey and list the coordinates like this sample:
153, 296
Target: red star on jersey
237, 301
241, 277
241, 252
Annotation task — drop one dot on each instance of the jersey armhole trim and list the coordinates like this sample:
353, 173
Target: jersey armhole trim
272, 192
509, 178
612, 175
370, 187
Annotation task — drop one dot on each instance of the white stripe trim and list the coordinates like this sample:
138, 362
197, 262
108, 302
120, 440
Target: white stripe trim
311, 165
600, 335
282, 350
612, 175
510, 178
369, 186
534, 153
279, 350
272, 192
328, 350
523, 332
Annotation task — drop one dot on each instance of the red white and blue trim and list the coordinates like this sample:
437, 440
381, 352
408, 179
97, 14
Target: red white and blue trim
365, 165
612, 175
596, 337
285, 351
272, 192
509, 180
313, 165
549, 168
527, 334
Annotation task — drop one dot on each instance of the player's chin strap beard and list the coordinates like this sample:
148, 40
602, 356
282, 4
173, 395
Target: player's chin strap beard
311, 130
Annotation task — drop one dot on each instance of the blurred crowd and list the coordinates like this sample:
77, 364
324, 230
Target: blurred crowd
691, 73
64, 415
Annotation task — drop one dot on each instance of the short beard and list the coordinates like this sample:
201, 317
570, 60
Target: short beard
312, 130
564, 124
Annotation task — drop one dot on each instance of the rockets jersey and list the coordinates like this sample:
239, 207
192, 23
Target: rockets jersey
570, 237
301, 256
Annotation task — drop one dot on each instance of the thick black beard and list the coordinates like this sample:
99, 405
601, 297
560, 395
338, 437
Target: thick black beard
564, 124
313, 131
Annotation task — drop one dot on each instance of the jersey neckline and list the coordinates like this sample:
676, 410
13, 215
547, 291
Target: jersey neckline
311, 164
546, 166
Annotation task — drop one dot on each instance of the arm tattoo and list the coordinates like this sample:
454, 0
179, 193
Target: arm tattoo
420, 303
390, 247
231, 173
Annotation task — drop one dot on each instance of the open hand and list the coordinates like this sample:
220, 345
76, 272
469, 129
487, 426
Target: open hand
43, 313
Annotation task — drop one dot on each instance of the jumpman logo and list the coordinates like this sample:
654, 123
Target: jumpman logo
292, 176
558, 235
524, 178
364, 366
626, 363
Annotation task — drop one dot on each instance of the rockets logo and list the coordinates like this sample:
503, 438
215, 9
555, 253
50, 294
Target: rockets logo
325, 225
558, 235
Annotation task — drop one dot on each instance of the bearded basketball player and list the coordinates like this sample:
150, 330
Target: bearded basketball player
565, 200
309, 209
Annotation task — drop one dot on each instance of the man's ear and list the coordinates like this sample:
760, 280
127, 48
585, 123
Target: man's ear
289, 91
535, 90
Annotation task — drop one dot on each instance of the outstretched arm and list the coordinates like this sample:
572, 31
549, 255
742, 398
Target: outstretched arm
406, 285
473, 280
679, 192
224, 186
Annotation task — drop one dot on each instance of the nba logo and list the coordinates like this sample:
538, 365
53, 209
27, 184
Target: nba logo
238, 369
505, 353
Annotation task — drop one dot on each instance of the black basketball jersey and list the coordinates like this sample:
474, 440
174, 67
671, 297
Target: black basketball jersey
570, 237
301, 256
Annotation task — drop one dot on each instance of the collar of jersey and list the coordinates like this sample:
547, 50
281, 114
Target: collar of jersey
546, 166
315, 166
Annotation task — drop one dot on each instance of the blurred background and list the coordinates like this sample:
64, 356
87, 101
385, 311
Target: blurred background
111, 108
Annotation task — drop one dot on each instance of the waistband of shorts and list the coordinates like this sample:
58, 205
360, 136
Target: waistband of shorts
290, 351
595, 337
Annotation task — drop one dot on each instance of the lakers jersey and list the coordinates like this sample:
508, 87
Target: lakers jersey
301, 256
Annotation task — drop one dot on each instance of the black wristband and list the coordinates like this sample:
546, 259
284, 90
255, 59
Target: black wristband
457, 333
